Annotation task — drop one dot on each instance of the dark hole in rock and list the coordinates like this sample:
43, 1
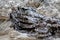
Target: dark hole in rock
51, 22
59, 28
53, 30
42, 0
26, 23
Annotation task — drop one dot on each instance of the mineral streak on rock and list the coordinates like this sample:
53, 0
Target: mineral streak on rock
27, 19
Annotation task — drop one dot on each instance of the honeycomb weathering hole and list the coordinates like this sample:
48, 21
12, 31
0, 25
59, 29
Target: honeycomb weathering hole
28, 20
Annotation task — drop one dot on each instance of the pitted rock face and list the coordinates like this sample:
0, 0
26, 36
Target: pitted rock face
26, 17
28, 20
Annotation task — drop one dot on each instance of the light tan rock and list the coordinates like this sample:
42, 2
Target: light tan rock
15, 35
4, 27
4, 37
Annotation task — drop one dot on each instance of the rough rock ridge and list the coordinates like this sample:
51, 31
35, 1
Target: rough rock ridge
27, 20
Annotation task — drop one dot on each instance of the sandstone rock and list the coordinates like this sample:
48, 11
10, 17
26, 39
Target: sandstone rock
31, 21
4, 37
15, 35
4, 27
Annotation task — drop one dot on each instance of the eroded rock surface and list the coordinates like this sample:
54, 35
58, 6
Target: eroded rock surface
27, 20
